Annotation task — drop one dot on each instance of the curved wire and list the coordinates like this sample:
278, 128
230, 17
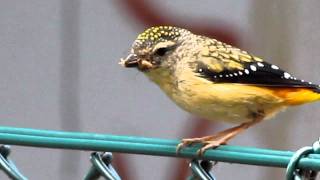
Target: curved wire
201, 170
293, 173
8, 166
101, 166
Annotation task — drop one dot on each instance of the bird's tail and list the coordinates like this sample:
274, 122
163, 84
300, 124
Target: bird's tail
297, 96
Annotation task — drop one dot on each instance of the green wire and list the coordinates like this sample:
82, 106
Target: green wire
149, 146
82, 135
8, 166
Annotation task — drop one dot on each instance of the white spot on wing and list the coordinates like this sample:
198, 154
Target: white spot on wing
235, 74
200, 70
274, 67
240, 73
246, 71
253, 68
220, 76
260, 64
286, 75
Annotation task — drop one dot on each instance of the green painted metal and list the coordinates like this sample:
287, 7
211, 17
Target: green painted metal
295, 174
200, 170
150, 146
101, 167
8, 166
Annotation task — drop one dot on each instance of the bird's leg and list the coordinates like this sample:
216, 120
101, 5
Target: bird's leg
220, 138
188, 141
224, 137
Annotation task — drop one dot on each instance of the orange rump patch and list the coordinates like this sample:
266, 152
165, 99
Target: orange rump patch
296, 96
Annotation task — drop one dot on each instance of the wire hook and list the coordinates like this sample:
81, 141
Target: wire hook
201, 170
293, 173
101, 166
8, 166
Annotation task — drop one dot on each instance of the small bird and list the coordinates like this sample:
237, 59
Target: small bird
216, 81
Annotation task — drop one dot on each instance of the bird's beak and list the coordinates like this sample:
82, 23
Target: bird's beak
132, 60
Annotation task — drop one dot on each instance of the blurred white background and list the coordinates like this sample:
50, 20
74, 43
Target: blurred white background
59, 70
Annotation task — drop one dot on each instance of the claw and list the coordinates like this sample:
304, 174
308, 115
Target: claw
209, 145
204, 140
185, 142
218, 139
200, 152
179, 147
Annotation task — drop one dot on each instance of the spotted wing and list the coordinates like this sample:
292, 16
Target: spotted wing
255, 73
222, 63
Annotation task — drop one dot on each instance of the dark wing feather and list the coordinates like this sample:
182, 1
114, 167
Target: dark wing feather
255, 73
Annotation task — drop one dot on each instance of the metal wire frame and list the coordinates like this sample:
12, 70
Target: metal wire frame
101, 167
150, 146
8, 166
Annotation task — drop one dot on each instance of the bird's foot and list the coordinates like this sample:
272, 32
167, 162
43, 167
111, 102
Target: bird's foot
189, 141
207, 141
210, 145
216, 140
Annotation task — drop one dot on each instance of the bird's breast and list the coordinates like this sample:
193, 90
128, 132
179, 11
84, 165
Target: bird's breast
234, 103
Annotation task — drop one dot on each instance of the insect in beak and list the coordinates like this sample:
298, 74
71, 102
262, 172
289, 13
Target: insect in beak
132, 60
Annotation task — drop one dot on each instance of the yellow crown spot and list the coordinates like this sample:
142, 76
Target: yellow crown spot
159, 33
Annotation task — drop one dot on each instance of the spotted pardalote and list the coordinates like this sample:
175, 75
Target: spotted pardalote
216, 81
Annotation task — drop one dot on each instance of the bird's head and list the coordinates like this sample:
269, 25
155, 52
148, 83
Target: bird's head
156, 49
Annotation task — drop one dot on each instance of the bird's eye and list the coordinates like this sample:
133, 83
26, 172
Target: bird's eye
161, 51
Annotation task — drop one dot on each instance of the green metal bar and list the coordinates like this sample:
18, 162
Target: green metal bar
149, 146
134, 139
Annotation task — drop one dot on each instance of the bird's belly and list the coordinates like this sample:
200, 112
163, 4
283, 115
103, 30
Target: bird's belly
234, 103
219, 112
